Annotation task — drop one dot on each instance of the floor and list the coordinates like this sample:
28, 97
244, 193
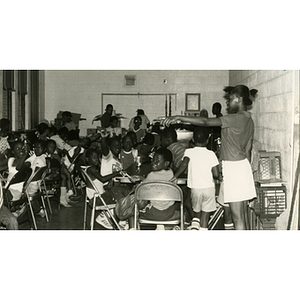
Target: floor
62, 218
69, 219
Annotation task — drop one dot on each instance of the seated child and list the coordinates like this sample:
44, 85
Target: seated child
17, 164
133, 138
42, 132
73, 138
37, 161
68, 122
110, 155
113, 129
60, 139
53, 161
202, 167
93, 170
146, 147
4, 145
156, 132
68, 165
140, 133
128, 154
157, 210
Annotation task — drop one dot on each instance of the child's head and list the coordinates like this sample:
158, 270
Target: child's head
204, 113
85, 143
52, 130
216, 108
200, 136
156, 128
133, 137
39, 147
162, 159
114, 121
4, 125
109, 109
19, 149
127, 143
239, 96
73, 135
43, 129
63, 133
168, 137
148, 139
140, 112
50, 146
92, 157
66, 116
115, 146
137, 121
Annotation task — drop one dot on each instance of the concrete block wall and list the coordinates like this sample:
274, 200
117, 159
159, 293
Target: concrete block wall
80, 91
272, 114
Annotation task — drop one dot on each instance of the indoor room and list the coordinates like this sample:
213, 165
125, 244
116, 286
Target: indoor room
39, 103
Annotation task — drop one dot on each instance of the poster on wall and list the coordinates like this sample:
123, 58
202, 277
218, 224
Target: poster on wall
192, 102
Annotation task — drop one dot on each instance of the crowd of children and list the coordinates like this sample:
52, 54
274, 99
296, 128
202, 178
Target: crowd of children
114, 149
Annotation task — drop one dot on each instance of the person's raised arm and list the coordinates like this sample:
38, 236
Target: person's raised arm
104, 146
95, 173
198, 121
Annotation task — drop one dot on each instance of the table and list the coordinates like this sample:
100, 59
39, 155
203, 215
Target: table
143, 171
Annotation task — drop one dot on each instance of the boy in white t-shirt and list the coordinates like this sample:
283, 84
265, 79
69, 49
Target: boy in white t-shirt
202, 169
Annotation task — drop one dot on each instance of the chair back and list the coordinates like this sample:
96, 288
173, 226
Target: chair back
87, 180
21, 176
36, 176
158, 191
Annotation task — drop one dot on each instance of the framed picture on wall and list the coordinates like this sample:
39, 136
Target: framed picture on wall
192, 102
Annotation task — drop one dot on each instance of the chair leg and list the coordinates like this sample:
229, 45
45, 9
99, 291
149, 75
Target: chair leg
31, 211
181, 217
73, 185
85, 214
135, 217
113, 218
44, 207
47, 196
93, 213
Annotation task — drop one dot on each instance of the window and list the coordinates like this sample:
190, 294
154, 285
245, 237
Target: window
130, 80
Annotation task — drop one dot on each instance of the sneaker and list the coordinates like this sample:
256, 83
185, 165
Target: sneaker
70, 193
195, 225
103, 221
18, 212
124, 225
41, 213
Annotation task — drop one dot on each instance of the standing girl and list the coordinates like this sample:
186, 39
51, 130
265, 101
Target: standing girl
237, 135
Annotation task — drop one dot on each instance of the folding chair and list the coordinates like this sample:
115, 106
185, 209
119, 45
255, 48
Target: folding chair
27, 196
214, 219
159, 191
92, 204
36, 176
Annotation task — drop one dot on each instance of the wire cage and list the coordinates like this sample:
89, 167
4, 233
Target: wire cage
269, 167
271, 201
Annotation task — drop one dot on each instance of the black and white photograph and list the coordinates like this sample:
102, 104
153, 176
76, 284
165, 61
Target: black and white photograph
133, 165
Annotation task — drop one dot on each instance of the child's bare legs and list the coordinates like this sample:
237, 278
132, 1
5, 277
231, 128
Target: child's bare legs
246, 215
63, 190
131, 222
204, 218
67, 174
237, 210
